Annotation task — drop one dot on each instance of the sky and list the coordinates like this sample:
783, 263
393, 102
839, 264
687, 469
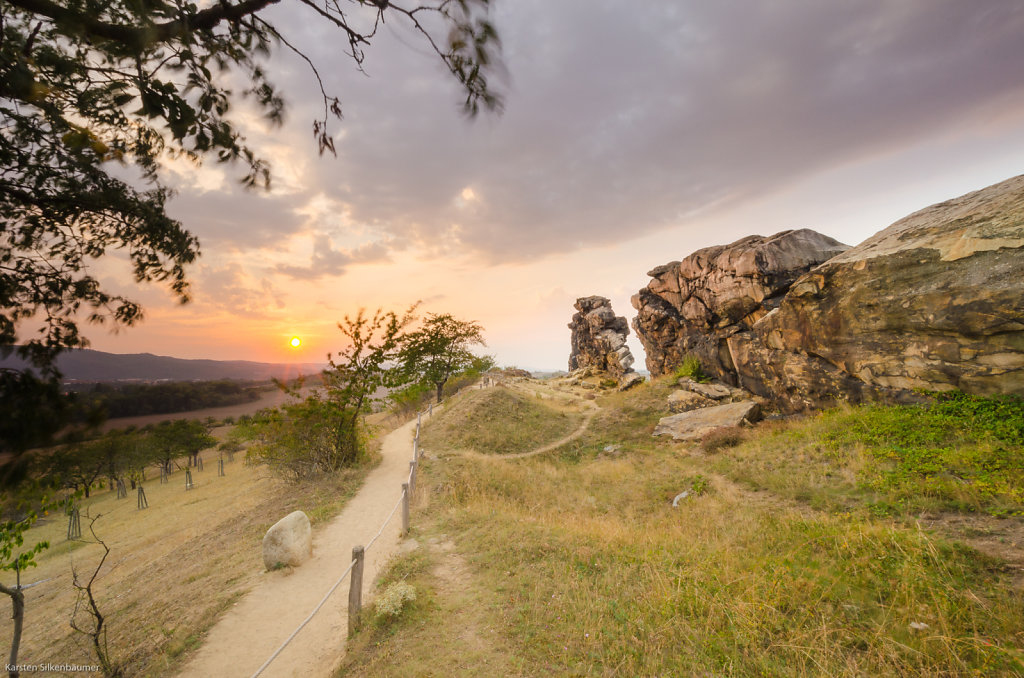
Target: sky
632, 135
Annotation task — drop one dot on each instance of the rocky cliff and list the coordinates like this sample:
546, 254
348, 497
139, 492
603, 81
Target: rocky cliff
692, 306
599, 338
935, 301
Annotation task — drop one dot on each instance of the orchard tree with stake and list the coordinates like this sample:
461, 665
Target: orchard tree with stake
439, 349
95, 95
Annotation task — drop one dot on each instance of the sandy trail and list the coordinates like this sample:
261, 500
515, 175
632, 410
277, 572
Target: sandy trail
255, 627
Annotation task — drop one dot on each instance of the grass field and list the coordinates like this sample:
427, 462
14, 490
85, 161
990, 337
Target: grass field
173, 567
801, 551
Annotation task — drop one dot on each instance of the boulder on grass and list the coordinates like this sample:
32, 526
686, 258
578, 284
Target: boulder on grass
694, 424
629, 380
288, 542
684, 401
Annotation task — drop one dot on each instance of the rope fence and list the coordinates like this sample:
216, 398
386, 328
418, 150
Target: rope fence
355, 568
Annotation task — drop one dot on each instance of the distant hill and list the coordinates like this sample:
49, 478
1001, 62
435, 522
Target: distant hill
89, 365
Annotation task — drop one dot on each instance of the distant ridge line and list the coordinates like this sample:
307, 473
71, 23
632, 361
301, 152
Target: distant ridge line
90, 365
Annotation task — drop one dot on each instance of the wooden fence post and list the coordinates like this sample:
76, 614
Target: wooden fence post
355, 592
412, 476
430, 411
405, 509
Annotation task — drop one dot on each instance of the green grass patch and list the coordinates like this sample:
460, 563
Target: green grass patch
595, 570
498, 421
962, 453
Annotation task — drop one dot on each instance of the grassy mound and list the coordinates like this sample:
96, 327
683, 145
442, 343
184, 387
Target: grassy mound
497, 421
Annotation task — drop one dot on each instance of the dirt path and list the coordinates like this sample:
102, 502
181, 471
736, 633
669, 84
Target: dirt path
255, 627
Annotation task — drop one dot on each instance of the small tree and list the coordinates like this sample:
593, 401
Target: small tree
439, 349
12, 536
76, 466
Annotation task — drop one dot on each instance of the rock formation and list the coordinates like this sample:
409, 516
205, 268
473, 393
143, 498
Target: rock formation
935, 301
692, 306
599, 338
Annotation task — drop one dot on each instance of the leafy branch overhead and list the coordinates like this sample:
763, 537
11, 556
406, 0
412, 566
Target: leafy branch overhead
96, 94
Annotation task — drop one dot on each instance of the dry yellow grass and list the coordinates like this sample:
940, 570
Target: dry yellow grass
173, 567
576, 563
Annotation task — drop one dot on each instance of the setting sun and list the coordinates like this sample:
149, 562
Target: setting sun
295, 342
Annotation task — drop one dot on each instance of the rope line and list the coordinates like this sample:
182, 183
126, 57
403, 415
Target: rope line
388, 520
323, 600
307, 620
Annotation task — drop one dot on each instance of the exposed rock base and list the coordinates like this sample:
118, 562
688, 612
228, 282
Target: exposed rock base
695, 424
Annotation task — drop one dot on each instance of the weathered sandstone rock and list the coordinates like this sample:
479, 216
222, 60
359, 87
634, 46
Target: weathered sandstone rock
288, 542
599, 338
935, 301
692, 306
629, 380
684, 401
694, 424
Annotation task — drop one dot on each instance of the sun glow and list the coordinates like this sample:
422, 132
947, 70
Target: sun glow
295, 342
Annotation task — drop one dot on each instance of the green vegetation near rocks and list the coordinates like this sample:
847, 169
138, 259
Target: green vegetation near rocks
691, 368
960, 453
575, 563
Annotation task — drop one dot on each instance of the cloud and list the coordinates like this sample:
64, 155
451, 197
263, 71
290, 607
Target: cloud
622, 120
230, 288
236, 218
327, 261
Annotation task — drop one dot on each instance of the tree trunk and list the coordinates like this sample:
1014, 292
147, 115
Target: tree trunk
18, 602
440, 391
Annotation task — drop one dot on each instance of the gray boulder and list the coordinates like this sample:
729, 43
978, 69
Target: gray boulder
684, 401
288, 542
695, 424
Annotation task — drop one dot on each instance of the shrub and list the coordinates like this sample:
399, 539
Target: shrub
393, 598
727, 436
691, 368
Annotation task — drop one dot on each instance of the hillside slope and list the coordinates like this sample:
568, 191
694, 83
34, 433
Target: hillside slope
826, 545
